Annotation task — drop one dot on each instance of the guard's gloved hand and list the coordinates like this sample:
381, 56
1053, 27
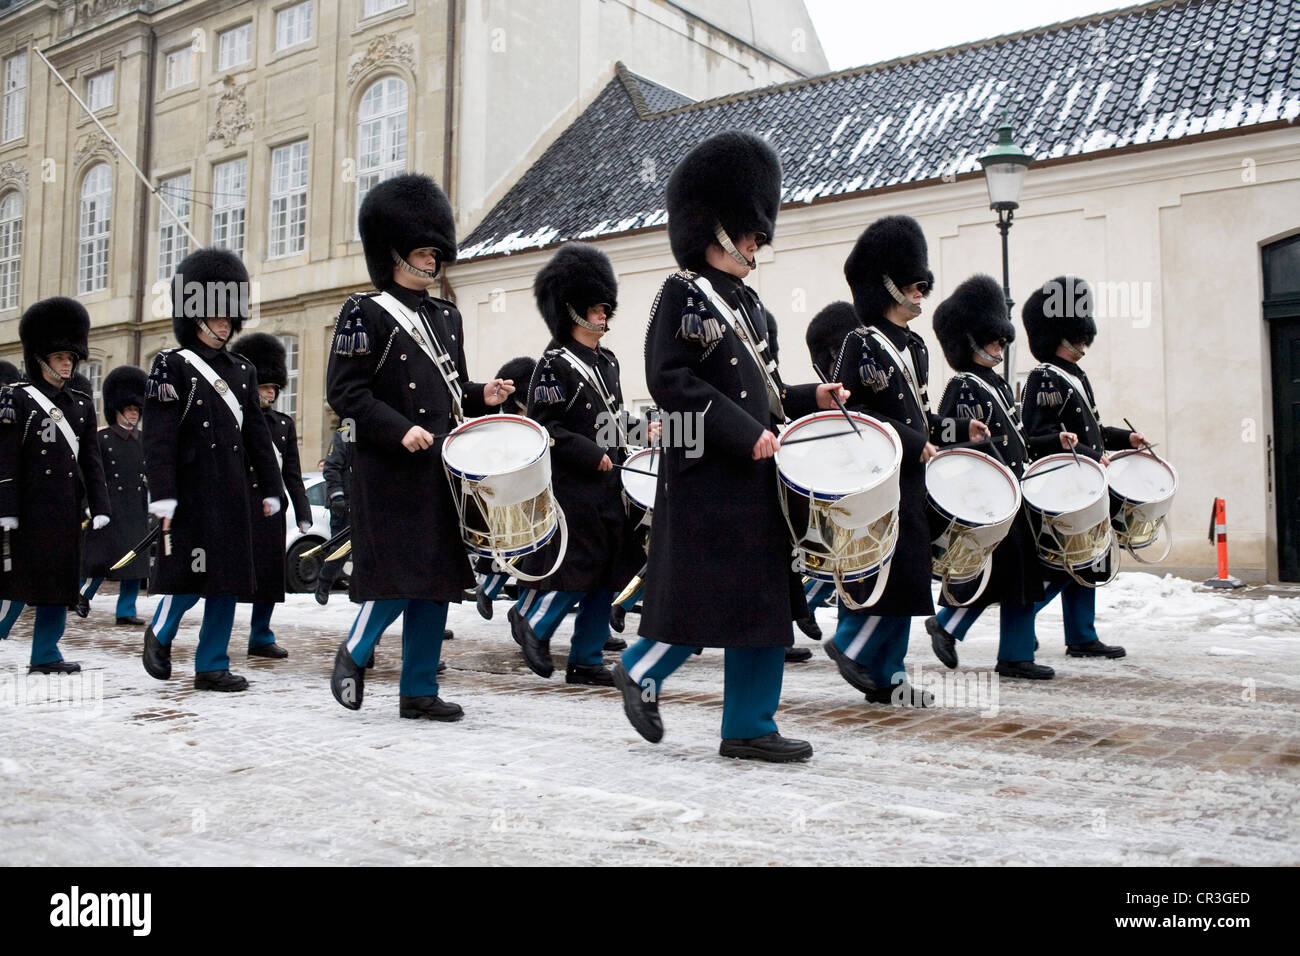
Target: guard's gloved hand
8, 524
270, 507
304, 526
99, 521
163, 508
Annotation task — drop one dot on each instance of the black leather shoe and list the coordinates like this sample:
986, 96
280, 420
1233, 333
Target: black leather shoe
597, 675
615, 644
348, 681
1026, 669
618, 618
642, 714
219, 680
1094, 649
901, 695
483, 603
272, 650
770, 747
851, 670
429, 708
82, 607
797, 655
55, 667
322, 594
448, 634
157, 656
370, 664
442, 666
536, 654
809, 627
944, 644
133, 621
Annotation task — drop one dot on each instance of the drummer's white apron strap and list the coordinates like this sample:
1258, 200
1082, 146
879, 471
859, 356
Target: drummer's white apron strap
593, 378
218, 384
441, 359
904, 365
55, 415
1074, 383
749, 338
1008, 410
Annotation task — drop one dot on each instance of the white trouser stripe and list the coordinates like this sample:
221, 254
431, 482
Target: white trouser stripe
163, 610
648, 660
541, 608
359, 628
954, 622
4, 608
530, 600
860, 639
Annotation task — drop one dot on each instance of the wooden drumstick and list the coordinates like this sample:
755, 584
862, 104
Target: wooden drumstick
1145, 445
840, 405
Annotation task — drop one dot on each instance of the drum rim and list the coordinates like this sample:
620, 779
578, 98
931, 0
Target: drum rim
1145, 501
862, 419
1061, 458
493, 419
1006, 473
623, 479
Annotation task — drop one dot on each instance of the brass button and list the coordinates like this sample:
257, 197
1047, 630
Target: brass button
734, 360
744, 394
412, 385
402, 357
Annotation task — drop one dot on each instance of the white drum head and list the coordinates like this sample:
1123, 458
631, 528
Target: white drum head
641, 488
971, 487
1066, 490
494, 445
833, 467
1140, 479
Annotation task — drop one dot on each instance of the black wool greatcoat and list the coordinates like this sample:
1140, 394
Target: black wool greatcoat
122, 451
602, 552
196, 453
720, 570
880, 389
43, 485
269, 533
406, 540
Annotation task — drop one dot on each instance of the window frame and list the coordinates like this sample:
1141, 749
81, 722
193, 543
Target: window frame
272, 247
11, 266
102, 238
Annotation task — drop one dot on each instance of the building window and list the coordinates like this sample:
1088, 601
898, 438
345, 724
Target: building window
287, 402
288, 213
235, 46
173, 241
293, 25
11, 248
15, 96
99, 91
92, 231
376, 7
179, 69
381, 134
94, 371
229, 199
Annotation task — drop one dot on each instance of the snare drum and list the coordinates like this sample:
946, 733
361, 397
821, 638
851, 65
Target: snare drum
971, 502
1069, 511
1141, 493
499, 467
840, 497
639, 489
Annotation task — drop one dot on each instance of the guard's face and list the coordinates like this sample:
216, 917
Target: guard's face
597, 315
268, 394
220, 328
426, 258
747, 245
129, 415
915, 292
62, 363
995, 349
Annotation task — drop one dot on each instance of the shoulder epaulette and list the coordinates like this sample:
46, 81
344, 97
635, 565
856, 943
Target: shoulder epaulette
7, 414
350, 336
160, 385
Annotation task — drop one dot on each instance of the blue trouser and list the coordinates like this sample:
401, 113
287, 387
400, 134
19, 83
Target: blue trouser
751, 689
259, 631
817, 593
214, 632
1078, 606
50, 621
9, 611
544, 610
127, 592
423, 625
877, 643
492, 584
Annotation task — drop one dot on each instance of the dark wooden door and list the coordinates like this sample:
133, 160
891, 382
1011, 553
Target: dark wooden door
1281, 262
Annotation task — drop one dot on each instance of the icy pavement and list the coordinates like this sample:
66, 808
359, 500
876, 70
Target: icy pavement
1185, 752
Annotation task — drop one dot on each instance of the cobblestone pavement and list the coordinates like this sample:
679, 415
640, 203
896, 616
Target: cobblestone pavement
1185, 752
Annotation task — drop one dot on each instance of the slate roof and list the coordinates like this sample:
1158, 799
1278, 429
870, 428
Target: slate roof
1148, 74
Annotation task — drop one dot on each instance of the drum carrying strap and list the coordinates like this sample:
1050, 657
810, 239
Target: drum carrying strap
754, 346
218, 384
594, 379
410, 324
1008, 410
903, 362
1075, 384
55, 415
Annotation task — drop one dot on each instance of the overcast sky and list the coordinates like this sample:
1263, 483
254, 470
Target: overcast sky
854, 32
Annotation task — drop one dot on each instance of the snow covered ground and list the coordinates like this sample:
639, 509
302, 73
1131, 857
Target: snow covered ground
1185, 752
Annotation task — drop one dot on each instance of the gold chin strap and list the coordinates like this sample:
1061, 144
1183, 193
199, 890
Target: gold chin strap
203, 327
1073, 349
63, 378
900, 298
729, 247
422, 273
579, 320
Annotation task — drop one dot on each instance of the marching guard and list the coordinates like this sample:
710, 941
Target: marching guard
576, 395
9, 610
203, 429
397, 372
336, 470
49, 464
122, 452
719, 571
267, 355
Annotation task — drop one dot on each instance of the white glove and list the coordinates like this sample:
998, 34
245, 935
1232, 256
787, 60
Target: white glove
163, 508
304, 526
274, 504
8, 524
99, 521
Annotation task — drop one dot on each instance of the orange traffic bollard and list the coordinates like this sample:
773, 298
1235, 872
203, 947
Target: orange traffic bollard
1219, 536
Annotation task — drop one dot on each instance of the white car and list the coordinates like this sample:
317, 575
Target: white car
300, 574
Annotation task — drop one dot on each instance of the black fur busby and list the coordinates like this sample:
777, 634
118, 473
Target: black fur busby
1061, 309
580, 276
895, 247
57, 324
209, 283
266, 352
826, 333
520, 371
400, 214
733, 178
123, 386
973, 316
9, 373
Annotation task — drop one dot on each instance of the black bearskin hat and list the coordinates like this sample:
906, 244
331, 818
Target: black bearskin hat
209, 284
973, 316
826, 332
57, 324
520, 371
266, 352
580, 276
122, 387
1060, 310
9, 373
732, 178
400, 214
895, 247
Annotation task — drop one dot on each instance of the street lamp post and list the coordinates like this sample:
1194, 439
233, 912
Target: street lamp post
1004, 173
